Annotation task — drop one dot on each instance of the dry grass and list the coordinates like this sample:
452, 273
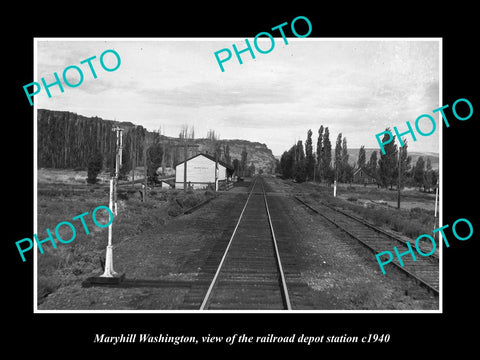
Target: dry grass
415, 217
63, 266
410, 222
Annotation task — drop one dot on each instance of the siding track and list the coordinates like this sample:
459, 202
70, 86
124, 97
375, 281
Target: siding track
425, 270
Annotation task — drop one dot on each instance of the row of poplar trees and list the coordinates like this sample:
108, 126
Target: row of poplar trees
302, 164
70, 141
305, 165
395, 168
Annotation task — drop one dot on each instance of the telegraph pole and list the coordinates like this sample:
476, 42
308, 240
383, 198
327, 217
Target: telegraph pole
145, 179
335, 181
216, 170
399, 178
163, 157
118, 164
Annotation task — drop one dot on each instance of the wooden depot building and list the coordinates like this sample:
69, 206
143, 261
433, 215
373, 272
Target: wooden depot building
201, 172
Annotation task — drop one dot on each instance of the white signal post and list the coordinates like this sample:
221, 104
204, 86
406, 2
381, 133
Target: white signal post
109, 275
436, 207
109, 272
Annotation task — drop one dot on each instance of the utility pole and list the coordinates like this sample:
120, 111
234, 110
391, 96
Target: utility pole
133, 157
145, 178
399, 178
118, 164
335, 181
216, 170
163, 157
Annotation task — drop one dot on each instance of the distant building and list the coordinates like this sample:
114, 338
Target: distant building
201, 172
362, 176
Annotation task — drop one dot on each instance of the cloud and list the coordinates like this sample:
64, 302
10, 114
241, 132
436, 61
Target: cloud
201, 94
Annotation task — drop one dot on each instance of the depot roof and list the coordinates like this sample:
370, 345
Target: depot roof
210, 157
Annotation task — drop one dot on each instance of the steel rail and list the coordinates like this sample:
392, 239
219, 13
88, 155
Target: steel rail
212, 284
375, 251
373, 227
277, 255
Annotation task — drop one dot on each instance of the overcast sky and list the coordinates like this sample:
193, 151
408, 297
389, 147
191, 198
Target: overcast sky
355, 87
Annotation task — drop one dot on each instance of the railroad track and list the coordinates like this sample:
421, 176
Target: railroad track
424, 271
250, 273
422, 246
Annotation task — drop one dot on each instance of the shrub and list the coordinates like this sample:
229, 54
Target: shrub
174, 209
122, 196
191, 201
412, 229
209, 193
416, 211
94, 167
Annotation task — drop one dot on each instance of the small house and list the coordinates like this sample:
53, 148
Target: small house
201, 171
362, 176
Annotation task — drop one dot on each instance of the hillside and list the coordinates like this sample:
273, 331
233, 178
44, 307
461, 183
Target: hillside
434, 157
68, 140
257, 154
